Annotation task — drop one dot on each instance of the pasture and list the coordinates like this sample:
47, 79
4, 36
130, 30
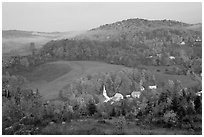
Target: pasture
89, 126
52, 77
162, 77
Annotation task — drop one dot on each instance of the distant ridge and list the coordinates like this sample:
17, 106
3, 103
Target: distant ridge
137, 22
139, 30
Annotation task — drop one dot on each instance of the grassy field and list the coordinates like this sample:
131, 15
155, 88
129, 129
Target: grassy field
50, 78
90, 126
46, 72
162, 77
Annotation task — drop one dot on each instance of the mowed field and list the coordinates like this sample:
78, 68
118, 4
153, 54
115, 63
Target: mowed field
162, 77
50, 78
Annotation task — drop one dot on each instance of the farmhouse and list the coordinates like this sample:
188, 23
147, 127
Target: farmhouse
182, 43
153, 87
199, 93
171, 57
117, 97
136, 94
128, 96
198, 40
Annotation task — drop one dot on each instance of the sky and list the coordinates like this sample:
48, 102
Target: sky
49, 17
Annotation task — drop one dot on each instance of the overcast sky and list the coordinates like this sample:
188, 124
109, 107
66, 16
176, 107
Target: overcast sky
82, 16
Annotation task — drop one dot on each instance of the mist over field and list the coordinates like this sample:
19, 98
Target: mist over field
102, 69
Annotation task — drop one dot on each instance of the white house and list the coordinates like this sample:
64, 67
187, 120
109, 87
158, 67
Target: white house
182, 43
198, 40
117, 97
199, 93
171, 57
136, 94
153, 87
128, 96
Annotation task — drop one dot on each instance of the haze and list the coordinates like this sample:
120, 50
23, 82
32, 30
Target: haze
50, 17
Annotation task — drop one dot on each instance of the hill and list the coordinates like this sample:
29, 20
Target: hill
66, 72
50, 78
140, 30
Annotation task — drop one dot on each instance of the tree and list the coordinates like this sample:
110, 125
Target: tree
91, 108
32, 48
24, 61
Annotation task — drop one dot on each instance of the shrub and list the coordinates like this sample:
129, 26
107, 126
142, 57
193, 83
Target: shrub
170, 117
91, 108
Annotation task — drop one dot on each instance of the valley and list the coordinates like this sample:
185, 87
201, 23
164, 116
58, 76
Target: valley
58, 82
52, 77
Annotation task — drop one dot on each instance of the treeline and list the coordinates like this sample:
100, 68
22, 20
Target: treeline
169, 105
110, 52
120, 53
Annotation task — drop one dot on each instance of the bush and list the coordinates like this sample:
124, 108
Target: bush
170, 117
91, 108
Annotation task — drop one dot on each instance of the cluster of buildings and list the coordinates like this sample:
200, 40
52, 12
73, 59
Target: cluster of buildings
118, 96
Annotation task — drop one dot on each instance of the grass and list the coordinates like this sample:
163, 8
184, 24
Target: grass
47, 72
162, 77
52, 77
93, 127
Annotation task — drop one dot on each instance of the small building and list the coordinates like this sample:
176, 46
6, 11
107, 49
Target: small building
117, 97
171, 57
128, 96
198, 39
199, 93
153, 87
182, 43
136, 94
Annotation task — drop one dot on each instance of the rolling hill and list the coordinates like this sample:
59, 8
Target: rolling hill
124, 43
50, 78
139, 30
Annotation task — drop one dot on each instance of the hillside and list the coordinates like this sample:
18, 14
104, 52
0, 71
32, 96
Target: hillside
143, 23
131, 77
141, 30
